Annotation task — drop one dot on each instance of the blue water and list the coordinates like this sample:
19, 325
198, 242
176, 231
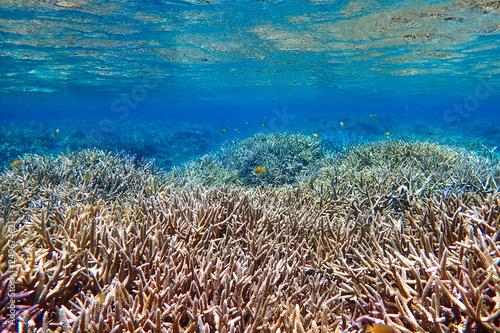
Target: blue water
223, 64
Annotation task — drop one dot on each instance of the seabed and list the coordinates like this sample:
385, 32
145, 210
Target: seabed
394, 232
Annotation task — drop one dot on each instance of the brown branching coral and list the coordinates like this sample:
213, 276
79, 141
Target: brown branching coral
433, 267
388, 176
211, 256
191, 259
222, 260
45, 183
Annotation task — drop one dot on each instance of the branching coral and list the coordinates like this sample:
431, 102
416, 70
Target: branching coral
285, 156
387, 176
277, 259
485, 5
225, 260
200, 259
9, 307
206, 170
43, 182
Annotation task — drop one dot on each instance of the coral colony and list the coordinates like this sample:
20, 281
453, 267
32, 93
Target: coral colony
385, 237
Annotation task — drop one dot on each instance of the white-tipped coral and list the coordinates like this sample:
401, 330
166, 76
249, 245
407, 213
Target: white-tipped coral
286, 158
227, 259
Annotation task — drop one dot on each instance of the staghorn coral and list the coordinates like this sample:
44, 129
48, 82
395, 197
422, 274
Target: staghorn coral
9, 302
206, 170
286, 157
186, 255
388, 176
225, 259
486, 6
44, 182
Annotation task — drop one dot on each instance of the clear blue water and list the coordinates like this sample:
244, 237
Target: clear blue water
206, 62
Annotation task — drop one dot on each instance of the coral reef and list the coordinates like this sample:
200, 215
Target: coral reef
44, 182
285, 156
391, 175
220, 260
328, 254
11, 311
168, 143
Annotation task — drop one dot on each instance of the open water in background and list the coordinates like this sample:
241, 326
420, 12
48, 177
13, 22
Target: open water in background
250, 63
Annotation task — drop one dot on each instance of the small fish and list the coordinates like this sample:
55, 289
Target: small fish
259, 169
72, 133
247, 123
379, 328
316, 135
56, 131
387, 134
342, 124
223, 130
373, 115
264, 125
16, 163
236, 130
227, 120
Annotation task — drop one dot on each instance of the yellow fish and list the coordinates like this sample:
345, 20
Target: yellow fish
16, 163
264, 125
387, 134
341, 124
259, 169
72, 133
56, 131
379, 328
223, 130
316, 135
373, 115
